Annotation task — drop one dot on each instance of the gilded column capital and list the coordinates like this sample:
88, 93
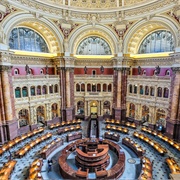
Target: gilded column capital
175, 69
5, 68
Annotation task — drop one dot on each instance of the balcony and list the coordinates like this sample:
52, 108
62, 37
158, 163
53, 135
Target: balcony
94, 77
35, 77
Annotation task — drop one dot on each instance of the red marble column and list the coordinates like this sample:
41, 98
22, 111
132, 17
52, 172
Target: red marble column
8, 105
172, 125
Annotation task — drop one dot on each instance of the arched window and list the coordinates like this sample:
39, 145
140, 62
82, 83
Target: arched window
158, 41
38, 90
16, 71
44, 89
80, 107
18, 92
109, 88
77, 87
141, 91
159, 92
23, 117
94, 46
104, 87
167, 73
132, 110
32, 90
54, 110
42, 71
89, 87
94, 87
82, 87
146, 90
24, 91
26, 39
106, 107
135, 89
152, 91
166, 93
50, 89
56, 88
144, 72
130, 88
145, 113
98, 87
40, 115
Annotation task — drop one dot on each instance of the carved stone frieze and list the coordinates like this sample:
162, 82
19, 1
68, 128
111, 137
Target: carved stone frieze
31, 60
93, 62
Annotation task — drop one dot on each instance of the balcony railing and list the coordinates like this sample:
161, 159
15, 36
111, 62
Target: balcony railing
93, 76
156, 78
32, 77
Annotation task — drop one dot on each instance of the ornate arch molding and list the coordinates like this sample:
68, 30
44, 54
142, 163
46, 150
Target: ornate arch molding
142, 28
48, 30
88, 30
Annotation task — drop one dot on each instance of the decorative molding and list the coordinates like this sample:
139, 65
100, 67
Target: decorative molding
5, 68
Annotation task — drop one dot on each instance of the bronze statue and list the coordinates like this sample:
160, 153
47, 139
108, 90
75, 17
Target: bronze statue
27, 69
139, 70
102, 69
157, 70
85, 70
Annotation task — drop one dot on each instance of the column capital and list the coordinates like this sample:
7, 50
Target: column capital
175, 69
5, 68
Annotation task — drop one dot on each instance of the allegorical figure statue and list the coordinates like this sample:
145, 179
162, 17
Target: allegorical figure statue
47, 70
66, 45
27, 69
85, 70
139, 70
102, 69
157, 70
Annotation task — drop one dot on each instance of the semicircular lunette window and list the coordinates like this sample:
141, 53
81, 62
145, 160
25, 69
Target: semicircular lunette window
156, 42
27, 40
93, 46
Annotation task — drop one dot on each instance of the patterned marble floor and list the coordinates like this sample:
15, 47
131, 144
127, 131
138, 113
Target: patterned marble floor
160, 169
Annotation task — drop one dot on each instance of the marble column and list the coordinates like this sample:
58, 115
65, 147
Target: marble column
10, 120
172, 126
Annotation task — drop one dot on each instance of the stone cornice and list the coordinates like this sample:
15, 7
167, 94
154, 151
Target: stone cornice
129, 12
5, 68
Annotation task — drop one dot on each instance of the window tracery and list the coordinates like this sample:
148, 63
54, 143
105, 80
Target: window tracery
158, 41
26, 39
94, 46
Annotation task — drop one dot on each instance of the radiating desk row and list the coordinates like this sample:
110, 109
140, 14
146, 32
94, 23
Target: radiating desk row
46, 150
151, 142
118, 122
117, 128
173, 165
6, 170
74, 136
18, 139
146, 171
35, 170
161, 136
64, 123
21, 152
112, 136
68, 129
134, 146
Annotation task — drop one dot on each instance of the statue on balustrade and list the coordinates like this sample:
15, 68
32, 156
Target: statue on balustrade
47, 70
102, 69
157, 70
27, 69
139, 70
85, 70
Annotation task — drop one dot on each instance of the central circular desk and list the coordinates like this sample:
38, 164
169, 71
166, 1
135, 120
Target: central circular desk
92, 156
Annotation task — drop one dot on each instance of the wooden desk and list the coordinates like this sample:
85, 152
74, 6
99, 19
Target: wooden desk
22, 151
46, 150
151, 142
35, 170
82, 174
101, 174
6, 170
112, 136
134, 146
74, 136
68, 129
173, 165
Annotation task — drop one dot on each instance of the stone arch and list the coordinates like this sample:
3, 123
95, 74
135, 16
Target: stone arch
135, 35
46, 28
85, 31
